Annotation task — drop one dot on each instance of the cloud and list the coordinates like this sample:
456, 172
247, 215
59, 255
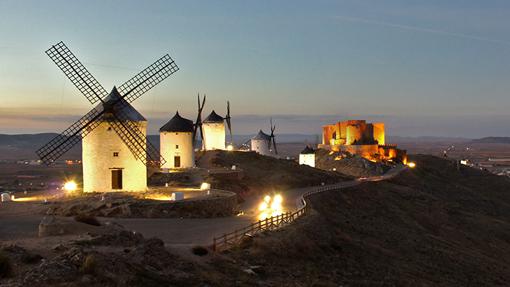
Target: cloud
421, 29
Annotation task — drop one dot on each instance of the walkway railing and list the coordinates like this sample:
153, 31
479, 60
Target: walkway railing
235, 237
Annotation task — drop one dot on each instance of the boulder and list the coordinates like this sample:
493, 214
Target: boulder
51, 226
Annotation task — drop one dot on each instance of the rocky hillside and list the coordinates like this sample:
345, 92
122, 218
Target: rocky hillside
263, 173
431, 226
348, 164
434, 225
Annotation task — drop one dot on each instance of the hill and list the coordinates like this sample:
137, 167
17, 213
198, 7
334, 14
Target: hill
430, 226
503, 140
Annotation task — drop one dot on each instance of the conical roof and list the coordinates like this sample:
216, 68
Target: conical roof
213, 118
114, 103
262, 136
308, 150
178, 124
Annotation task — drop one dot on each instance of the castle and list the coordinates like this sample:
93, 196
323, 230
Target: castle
361, 138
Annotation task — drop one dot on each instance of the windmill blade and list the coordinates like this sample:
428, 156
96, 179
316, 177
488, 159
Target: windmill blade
229, 124
148, 78
198, 122
76, 72
134, 138
69, 137
274, 145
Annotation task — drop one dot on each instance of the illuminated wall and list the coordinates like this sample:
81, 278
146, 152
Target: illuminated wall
104, 151
379, 134
214, 136
177, 144
307, 159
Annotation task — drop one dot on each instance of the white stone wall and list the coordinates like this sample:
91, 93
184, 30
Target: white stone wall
260, 146
177, 144
214, 136
307, 159
98, 160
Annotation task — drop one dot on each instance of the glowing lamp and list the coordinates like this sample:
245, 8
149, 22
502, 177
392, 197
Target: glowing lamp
70, 186
411, 165
230, 147
205, 186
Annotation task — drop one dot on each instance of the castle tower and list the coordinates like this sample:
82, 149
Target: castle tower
214, 132
108, 164
261, 143
176, 143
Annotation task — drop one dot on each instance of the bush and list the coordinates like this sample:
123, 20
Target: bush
5, 266
199, 250
87, 219
89, 264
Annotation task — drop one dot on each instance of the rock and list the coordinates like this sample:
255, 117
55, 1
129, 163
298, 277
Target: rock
50, 226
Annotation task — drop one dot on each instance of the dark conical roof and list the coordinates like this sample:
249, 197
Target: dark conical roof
114, 103
213, 118
178, 124
308, 150
261, 136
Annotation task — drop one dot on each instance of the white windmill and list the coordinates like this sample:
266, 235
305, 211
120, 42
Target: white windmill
115, 151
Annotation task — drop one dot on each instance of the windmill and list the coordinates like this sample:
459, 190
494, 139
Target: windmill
229, 126
114, 111
263, 143
198, 122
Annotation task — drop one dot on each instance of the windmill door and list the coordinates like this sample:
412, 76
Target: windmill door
116, 178
177, 161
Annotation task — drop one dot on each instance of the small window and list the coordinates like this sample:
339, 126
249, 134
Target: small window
176, 146
115, 154
109, 129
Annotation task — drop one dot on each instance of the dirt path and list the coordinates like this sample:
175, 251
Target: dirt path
16, 225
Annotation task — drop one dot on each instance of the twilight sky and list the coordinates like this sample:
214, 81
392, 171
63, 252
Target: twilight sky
431, 68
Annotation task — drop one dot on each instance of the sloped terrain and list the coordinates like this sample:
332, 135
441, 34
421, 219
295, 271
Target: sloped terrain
431, 226
262, 173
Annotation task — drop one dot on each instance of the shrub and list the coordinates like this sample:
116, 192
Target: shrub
5, 266
87, 219
89, 264
199, 250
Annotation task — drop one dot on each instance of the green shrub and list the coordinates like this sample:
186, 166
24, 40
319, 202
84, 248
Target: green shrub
5, 266
87, 219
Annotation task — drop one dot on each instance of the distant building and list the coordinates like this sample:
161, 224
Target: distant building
307, 157
176, 143
261, 143
361, 138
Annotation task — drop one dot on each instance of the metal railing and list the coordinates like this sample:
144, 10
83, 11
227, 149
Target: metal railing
272, 223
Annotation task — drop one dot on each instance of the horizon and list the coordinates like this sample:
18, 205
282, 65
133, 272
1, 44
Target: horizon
422, 69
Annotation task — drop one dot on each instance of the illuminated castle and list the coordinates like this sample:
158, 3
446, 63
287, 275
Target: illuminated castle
361, 138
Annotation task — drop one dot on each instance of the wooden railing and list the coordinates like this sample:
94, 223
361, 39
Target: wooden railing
235, 237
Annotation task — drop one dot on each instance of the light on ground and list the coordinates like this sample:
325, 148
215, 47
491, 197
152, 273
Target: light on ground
205, 186
70, 186
411, 165
270, 206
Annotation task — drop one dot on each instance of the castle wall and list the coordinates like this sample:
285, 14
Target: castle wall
174, 144
214, 136
98, 161
366, 151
